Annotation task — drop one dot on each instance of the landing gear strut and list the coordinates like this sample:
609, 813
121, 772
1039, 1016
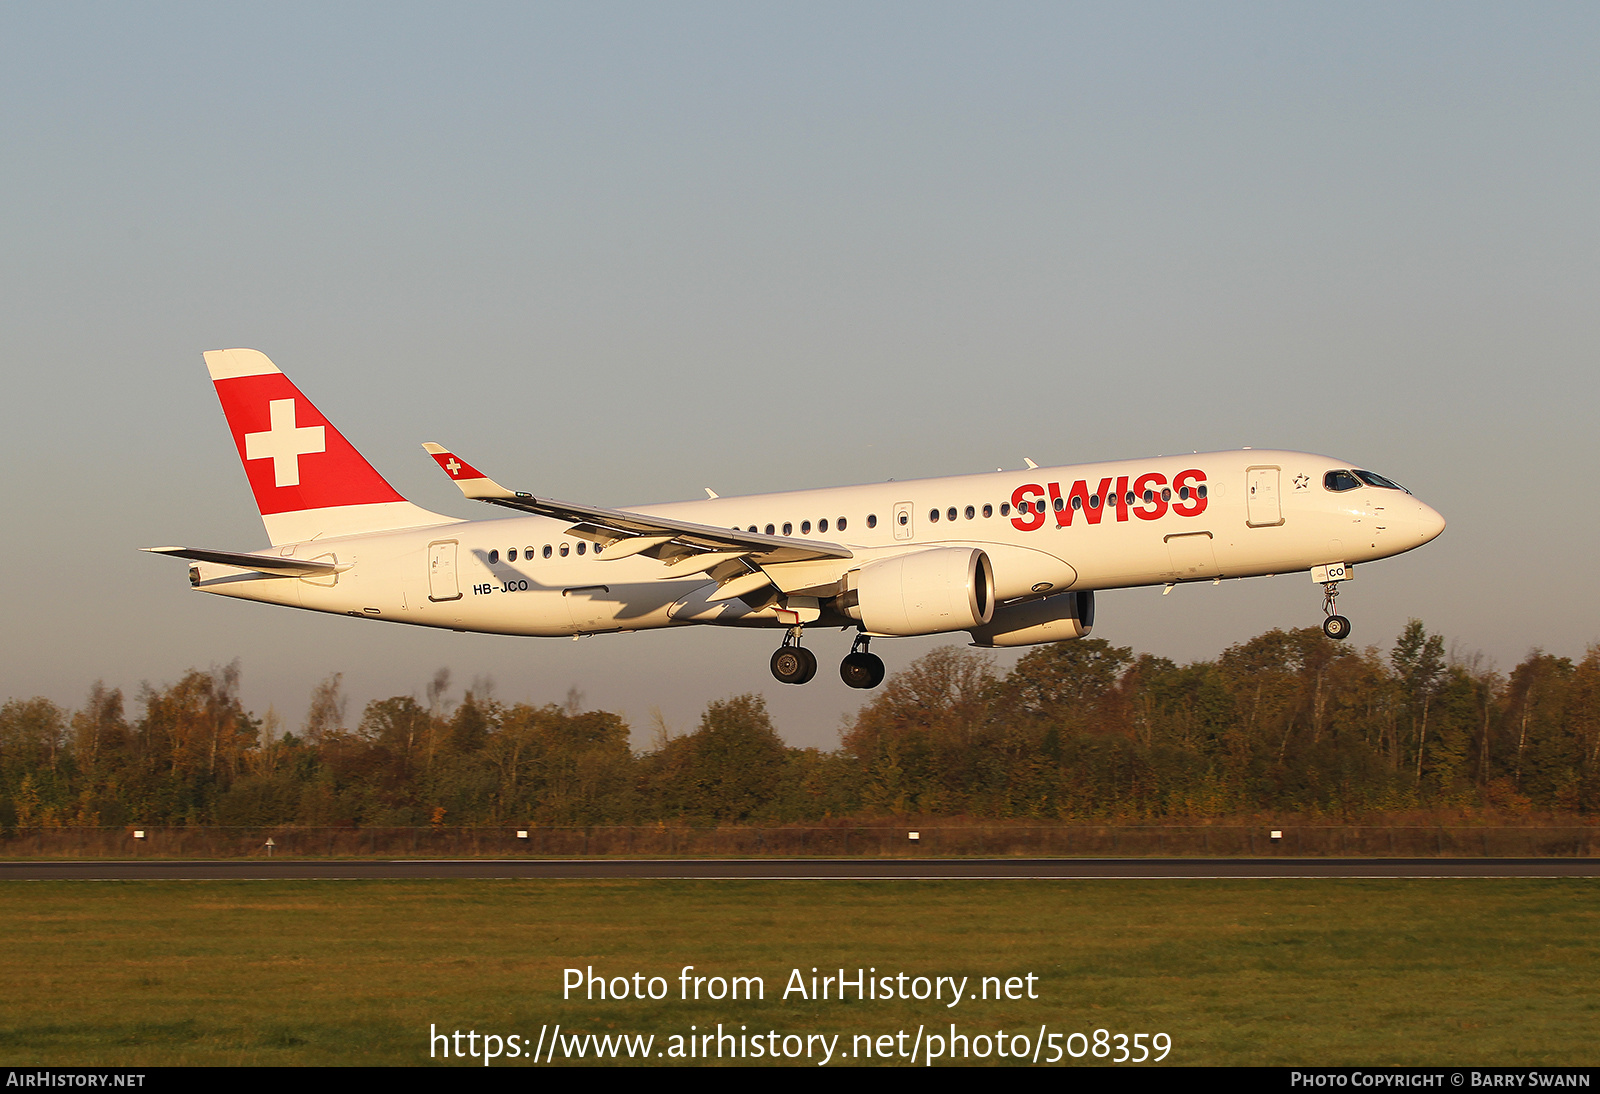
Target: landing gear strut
793, 663
1334, 626
861, 669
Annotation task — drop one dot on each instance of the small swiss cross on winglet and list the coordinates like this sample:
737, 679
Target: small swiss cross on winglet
473, 483
453, 465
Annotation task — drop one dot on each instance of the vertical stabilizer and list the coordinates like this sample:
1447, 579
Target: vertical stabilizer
309, 482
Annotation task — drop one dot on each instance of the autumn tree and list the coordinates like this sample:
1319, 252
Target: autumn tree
729, 768
919, 743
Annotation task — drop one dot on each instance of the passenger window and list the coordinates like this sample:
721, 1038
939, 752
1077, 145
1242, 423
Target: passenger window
1094, 501
527, 553
582, 546
905, 519
872, 520
494, 557
988, 511
752, 527
546, 550
822, 525
1077, 503
564, 549
788, 529
1202, 490
1166, 493
511, 555
769, 530
933, 516
841, 524
1005, 509
1183, 492
805, 528
1339, 481
971, 512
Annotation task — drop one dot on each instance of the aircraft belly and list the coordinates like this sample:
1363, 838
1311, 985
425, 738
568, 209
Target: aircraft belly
1303, 540
249, 585
578, 609
1128, 556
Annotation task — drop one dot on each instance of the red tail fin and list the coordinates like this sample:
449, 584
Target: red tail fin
308, 481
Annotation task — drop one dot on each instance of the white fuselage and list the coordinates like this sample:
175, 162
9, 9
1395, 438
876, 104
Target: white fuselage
1260, 512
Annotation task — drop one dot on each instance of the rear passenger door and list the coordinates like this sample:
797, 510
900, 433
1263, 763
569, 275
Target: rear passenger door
442, 571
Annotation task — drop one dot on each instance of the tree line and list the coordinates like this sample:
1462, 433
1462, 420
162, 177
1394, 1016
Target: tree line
1285, 722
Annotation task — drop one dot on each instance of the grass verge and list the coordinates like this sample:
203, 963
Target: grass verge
128, 974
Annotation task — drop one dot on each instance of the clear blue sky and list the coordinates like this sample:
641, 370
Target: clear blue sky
617, 253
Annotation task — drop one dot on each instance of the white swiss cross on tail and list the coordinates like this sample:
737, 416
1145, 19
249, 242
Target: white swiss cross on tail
283, 443
336, 494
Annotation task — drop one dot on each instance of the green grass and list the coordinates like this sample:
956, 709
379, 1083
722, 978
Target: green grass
1237, 972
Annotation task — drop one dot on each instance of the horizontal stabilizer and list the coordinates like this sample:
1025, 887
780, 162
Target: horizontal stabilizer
266, 564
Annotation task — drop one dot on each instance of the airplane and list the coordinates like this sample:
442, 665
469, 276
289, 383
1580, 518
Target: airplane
1011, 558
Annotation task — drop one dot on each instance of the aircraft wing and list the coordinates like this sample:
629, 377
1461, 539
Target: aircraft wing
686, 547
267, 564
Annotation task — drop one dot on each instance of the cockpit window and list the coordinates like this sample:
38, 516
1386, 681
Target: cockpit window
1379, 481
1341, 480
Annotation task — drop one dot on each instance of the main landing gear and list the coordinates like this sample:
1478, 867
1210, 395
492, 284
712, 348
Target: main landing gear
1334, 626
861, 669
794, 664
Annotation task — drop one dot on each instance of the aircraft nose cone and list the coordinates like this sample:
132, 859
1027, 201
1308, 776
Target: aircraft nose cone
1429, 523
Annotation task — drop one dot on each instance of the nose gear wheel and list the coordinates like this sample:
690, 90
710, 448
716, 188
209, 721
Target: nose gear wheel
1335, 626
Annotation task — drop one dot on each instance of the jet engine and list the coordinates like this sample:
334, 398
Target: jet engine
1053, 619
924, 592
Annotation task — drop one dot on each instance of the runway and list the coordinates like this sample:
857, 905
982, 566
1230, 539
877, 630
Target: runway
902, 869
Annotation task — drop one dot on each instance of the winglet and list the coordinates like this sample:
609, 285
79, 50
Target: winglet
473, 483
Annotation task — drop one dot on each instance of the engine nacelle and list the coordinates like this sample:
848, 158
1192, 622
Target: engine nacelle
925, 592
1053, 619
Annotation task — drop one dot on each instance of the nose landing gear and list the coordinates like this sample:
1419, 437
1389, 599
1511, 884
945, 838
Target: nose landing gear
1330, 576
1334, 626
861, 669
793, 663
